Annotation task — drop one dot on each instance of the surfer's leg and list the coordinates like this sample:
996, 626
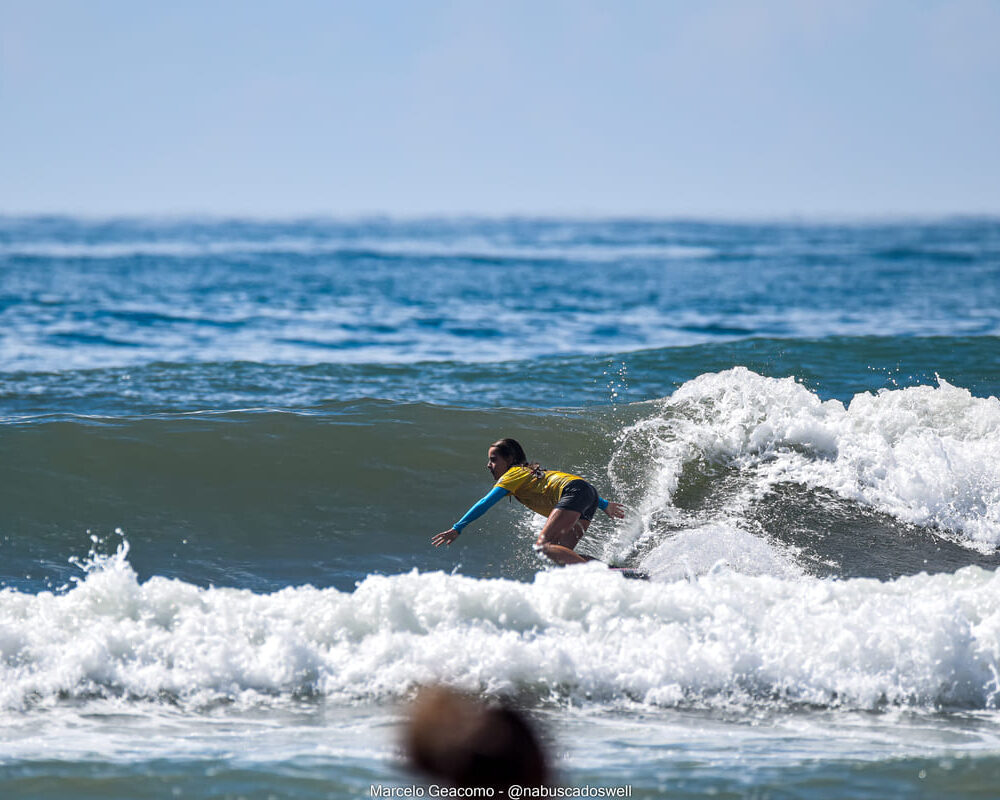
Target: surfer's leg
562, 532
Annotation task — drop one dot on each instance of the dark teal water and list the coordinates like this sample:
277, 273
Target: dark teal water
275, 417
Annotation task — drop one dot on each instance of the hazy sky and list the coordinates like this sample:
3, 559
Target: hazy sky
661, 108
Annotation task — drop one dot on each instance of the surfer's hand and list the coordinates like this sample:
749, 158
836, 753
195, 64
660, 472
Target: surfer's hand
445, 537
615, 510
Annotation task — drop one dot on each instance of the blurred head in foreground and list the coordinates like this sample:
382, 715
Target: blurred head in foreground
453, 737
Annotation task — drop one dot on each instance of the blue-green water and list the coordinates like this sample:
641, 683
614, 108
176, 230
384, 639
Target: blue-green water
225, 444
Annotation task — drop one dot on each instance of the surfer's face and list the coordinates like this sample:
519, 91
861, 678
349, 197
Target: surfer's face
496, 463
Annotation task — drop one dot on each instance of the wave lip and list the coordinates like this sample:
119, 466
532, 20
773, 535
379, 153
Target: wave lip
924, 454
578, 635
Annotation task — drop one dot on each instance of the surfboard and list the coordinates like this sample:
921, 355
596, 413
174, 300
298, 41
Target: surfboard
629, 572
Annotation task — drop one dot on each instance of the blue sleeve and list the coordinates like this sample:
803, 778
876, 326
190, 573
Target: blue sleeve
495, 496
602, 503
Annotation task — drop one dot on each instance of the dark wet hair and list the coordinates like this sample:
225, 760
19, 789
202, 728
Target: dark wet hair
454, 737
511, 450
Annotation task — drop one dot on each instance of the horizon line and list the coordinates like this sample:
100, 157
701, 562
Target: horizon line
540, 216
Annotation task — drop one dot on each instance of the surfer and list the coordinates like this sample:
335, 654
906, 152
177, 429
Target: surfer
567, 500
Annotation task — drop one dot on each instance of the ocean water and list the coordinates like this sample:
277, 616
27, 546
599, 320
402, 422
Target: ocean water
225, 445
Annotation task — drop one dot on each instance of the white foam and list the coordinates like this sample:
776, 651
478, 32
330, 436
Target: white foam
579, 634
926, 454
716, 547
468, 247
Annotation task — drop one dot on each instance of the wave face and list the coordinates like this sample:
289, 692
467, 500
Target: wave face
579, 635
758, 473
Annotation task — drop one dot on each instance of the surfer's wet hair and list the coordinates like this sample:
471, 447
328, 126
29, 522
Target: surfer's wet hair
511, 450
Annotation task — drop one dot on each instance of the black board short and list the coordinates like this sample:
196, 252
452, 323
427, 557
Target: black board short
579, 496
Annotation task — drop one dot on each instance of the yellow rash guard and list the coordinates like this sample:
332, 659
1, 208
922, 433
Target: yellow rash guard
538, 494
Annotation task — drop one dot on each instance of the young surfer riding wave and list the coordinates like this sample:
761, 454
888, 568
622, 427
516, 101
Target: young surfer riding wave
567, 500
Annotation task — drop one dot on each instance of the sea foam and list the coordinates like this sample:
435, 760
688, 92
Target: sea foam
576, 635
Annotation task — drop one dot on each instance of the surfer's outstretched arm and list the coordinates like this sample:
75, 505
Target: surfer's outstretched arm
447, 537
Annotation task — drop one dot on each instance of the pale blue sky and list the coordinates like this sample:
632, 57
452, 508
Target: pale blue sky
718, 108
